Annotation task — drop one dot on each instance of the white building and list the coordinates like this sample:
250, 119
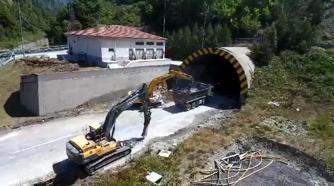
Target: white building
114, 44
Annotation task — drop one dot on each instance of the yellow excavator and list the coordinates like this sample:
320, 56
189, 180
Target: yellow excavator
98, 147
159, 85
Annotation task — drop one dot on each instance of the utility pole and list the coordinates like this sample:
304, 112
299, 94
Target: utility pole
21, 28
164, 21
206, 12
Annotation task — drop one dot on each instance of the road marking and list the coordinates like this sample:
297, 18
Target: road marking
10, 135
45, 143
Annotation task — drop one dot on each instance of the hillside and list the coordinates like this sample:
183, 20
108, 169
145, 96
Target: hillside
36, 17
329, 20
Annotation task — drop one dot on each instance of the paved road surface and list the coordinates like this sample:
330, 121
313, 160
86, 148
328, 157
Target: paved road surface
29, 153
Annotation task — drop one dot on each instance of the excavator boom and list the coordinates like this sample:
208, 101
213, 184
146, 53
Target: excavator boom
134, 95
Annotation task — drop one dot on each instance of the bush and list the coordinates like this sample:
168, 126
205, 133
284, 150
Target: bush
323, 127
311, 75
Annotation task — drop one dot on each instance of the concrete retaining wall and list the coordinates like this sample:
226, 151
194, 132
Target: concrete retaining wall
48, 93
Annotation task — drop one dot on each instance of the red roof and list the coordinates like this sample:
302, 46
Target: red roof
115, 31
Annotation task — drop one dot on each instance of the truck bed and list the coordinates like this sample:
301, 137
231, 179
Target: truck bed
190, 94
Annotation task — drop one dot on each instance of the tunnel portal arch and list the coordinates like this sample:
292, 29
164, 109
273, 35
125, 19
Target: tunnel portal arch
229, 66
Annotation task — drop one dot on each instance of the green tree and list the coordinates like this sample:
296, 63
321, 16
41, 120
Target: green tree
209, 36
223, 35
266, 49
225, 9
108, 13
295, 28
87, 12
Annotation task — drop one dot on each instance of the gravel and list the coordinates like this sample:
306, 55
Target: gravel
293, 127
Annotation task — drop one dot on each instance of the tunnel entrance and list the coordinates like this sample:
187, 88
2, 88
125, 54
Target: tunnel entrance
221, 69
217, 71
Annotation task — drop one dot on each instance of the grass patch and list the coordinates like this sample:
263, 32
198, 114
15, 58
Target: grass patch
10, 83
322, 127
187, 158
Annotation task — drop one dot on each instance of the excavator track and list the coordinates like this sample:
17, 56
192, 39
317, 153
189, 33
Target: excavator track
92, 167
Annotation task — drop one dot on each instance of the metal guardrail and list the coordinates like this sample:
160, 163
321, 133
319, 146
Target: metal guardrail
6, 56
42, 49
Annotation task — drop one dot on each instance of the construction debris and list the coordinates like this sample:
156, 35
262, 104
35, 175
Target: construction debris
46, 65
165, 153
154, 177
275, 103
234, 168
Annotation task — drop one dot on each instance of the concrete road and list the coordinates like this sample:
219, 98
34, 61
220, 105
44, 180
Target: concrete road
28, 154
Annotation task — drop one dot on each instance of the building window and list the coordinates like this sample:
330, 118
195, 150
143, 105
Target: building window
149, 43
140, 43
160, 43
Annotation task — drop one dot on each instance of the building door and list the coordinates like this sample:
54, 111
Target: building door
149, 53
160, 53
132, 55
140, 54
112, 54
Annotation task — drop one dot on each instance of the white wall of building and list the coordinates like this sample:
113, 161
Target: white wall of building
105, 49
86, 45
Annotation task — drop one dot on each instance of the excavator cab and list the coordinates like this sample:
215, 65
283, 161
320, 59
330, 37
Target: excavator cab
95, 132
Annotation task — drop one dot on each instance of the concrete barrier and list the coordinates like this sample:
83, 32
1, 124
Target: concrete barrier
48, 93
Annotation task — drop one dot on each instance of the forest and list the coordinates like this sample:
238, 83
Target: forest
188, 24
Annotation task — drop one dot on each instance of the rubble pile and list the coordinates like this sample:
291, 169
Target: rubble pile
46, 65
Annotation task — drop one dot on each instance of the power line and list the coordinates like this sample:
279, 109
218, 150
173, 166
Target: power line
18, 2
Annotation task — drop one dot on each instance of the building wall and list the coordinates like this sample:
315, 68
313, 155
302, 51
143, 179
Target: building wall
99, 49
89, 46
123, 45
105, 45
50, 93
29, 93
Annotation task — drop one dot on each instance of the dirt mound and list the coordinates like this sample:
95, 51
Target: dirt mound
46, 65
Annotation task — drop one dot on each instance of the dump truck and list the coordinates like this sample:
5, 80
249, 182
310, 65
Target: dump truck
158, 85
191, 94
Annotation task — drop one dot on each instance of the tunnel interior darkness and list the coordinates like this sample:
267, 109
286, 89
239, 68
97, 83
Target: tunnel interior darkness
217, 71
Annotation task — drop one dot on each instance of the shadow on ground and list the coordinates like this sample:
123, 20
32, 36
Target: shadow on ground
13, 107
67, 173
217, 102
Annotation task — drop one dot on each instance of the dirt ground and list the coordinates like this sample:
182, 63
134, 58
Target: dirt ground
289, 166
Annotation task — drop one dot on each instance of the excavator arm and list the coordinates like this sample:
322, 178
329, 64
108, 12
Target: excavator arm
108, 127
